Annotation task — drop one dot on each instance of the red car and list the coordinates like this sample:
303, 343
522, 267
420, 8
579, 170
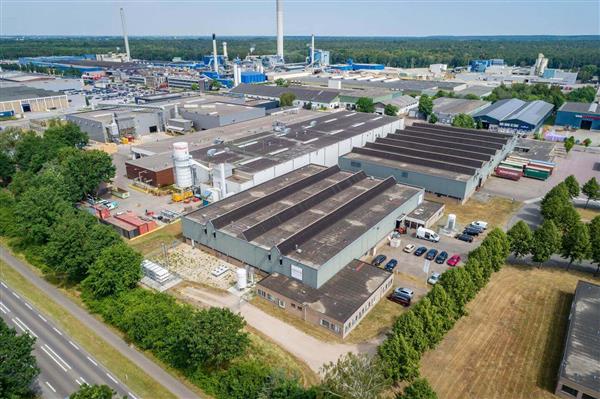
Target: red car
454, 260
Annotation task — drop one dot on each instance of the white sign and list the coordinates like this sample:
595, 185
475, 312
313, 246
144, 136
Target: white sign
426, 266
297, 272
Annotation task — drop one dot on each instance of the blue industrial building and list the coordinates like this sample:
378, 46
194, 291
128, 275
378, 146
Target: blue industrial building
579, 115
61, 63
351, 66
482, 65
253, 77
514, 116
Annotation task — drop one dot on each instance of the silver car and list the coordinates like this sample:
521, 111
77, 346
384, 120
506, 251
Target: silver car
434, 278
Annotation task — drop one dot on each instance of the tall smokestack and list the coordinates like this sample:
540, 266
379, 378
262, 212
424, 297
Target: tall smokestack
280, 28
312, 50
225, 50
215, 58
125, 35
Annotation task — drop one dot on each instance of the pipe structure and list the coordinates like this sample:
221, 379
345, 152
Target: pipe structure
215, 58
124, 25
279, 11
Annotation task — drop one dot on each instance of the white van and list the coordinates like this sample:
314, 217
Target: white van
427, 234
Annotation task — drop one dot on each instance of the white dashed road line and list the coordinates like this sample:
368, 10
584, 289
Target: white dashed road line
51, 387
58, 332
43, 318
73, 345
92, 360
112, 378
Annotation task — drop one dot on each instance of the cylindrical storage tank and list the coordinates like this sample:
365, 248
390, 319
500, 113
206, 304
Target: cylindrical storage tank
242, 281
451, 221
182, 167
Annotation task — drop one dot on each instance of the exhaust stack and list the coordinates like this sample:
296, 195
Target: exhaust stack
125, 34
225, 50
215, 58
312, 50
279, 29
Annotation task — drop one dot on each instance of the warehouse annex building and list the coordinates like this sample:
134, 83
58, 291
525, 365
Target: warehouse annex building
579, 116
316, 97
514, 115
23, 99
446, 108
446, 161
305, 229
579, 371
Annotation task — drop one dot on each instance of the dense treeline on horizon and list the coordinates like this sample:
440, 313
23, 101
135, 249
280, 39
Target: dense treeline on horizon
565, 52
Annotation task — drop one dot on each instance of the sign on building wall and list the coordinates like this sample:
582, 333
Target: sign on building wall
297, 272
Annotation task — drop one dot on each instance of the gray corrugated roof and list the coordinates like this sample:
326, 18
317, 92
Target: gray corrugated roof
581, 361
584, 108
13, 93
501, 109
533, 112
302, 93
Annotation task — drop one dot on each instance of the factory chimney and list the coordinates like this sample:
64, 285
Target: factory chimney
312, 50
225, 50
280, 29
125, 34
215, 58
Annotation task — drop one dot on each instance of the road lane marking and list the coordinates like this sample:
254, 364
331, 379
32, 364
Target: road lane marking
28, 306
83, 380
52, 357
92, 360
112, 378
73, 345
4, 308
51, 387
42, 317
16, 295
58, 332
4, 285
18, 325
132, 396
77, 381
29, 331
56, 354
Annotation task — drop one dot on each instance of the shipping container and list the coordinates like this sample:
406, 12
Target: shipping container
511, 167
536, 174
507, 174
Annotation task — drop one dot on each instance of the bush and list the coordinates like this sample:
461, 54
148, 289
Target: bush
418, 389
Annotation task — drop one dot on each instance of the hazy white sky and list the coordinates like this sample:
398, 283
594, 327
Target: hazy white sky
302, 17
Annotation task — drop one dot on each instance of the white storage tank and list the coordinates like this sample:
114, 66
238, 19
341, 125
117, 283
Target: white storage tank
242, 280
182, 166
451, 225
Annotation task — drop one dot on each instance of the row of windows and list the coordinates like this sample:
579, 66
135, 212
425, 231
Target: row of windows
573, 392
332, 326
277, 301
366, 307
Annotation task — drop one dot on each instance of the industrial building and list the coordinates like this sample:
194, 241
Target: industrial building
579, 371
23, 99
444, 160
216, 114
446, 108
514, 115
258, 157
579, 116
318, 98
308, 225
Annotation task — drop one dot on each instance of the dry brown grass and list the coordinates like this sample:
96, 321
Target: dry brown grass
496, 210
153, 240
510, 344
587, 214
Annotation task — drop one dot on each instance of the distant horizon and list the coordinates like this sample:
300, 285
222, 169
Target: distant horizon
308, 35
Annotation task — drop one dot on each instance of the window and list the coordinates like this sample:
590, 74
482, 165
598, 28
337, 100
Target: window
281, 261
270, 297
325, 323
299, 308
404, 174
281, 304
586, 396
205, 231
355, 164
569, 390
215, 234
269, 256
293, 305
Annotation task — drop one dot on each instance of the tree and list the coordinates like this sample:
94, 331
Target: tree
546, 242
18, 368
591, 189
365, 104
399, 360
117, 269
553, 206
586, 73
567, 219
68, 134
594, 229
576, 244
587, 142
287, 99
432, 323
215, 85
460, 287
93, 392
520, 237
433, 119
425, 105
195, 87
572, 186
418, 389
471, 96
281, 82
85, 170
585, 94
568, 143
464, 120
444, 304
411, 327
7, 168
390, 110
354, 377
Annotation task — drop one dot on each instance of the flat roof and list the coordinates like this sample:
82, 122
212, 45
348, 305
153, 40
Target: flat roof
14, 93
155, 163
535, 149
213, 108
310, 214
581, 359
319, 95
411, 85
425, 211
447, 105
477, 90
340, 297
583, 108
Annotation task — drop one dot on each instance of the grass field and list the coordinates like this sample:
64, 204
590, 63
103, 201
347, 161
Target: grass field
587, 214
510, 344
495, 210
153, 240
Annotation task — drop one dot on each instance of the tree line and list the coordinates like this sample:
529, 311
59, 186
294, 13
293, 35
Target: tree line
562, 231
579, 53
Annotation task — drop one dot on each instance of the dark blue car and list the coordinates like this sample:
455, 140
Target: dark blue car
391, 265
420, 251
431, 254
441, 258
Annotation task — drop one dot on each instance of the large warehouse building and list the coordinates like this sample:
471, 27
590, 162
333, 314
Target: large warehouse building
23, 99
579, 116
307, 225
514, 115
446, 108
579, 371
444, 160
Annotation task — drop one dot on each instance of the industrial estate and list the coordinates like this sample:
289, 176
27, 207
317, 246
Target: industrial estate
272, 229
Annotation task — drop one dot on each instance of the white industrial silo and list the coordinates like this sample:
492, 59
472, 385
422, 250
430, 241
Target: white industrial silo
182, 165
451, 222
242, 280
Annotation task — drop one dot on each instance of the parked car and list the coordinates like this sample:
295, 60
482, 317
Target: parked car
434, 278
379, 259
405, 291
471, 231
409, 248
441, 258
465, 237
427, 234
476, 227
480, 223
431, 254
454, 260
420, 251
400, 298
391, 265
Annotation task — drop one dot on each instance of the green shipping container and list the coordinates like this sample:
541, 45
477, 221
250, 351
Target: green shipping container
536, 174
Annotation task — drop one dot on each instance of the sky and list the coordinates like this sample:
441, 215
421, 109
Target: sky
301, 17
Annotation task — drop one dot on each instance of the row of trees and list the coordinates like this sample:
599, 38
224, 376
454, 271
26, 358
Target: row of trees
18, 368
562, 231
50, 174
550, 94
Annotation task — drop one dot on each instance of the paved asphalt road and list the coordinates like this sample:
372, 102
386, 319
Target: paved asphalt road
63, 364
151, 368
